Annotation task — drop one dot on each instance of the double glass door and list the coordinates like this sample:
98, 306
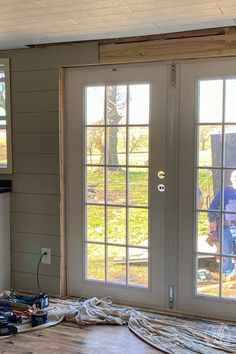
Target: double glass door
150, 184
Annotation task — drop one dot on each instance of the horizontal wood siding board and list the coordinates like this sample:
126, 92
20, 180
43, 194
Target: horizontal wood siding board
35, 122
35, 203
170, 49
35, 223
36, 163
36, 184
35, 101
32, 243
52, 57
28, 282
26, 81
27, 263
35, 143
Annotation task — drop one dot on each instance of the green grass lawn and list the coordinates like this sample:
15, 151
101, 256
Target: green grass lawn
120, 230
116, 226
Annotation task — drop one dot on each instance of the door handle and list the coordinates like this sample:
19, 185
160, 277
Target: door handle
161, 174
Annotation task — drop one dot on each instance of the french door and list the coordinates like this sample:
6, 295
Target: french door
207, 166
150, 200
115, 146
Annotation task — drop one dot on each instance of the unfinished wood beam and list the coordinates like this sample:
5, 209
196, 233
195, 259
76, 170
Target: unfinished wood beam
172, 35
203, 44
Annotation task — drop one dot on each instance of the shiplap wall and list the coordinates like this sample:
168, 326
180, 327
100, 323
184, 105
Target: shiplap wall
35, 199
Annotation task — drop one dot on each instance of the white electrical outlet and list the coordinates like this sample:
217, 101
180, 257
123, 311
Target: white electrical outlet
46, 259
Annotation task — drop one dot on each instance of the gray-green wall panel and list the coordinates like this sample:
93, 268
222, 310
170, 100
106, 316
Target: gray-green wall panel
35, 201
32, 243
27, 263
35, 122
35, 143
36, 163
35, 101
43, 80
36, 183
35, 223
28, 282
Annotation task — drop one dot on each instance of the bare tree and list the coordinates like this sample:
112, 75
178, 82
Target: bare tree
95, 143
95, 137
115, 105
203, 137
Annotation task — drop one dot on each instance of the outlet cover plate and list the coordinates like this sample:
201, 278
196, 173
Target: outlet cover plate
47, 257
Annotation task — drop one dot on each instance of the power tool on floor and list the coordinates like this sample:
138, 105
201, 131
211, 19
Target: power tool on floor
37, 302
7, 321
40, 301
13, 307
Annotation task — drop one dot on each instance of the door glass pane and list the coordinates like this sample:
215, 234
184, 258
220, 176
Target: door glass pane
95, 145
95, 261
210, 101
207, 241
208, 184
216, 189
116, 195
138, 266
95, 184
230, 146
116, 104
138, 146
209, 145
208, 275
116, 267
95, 104
139, 97
95, 223
116, 185
230, 101
229, 236
116, 146
138, 226
229, 280
138, 186
116, 224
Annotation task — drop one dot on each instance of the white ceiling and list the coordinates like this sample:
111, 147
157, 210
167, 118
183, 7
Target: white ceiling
27, 22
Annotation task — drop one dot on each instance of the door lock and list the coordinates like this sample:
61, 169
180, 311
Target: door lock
161, 187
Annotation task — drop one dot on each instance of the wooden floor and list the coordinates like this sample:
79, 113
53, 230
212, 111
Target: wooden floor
70, 338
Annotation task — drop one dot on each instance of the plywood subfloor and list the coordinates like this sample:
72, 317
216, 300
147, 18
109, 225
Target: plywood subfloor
70, 338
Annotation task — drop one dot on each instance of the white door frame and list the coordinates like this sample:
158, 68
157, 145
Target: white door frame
157, 295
